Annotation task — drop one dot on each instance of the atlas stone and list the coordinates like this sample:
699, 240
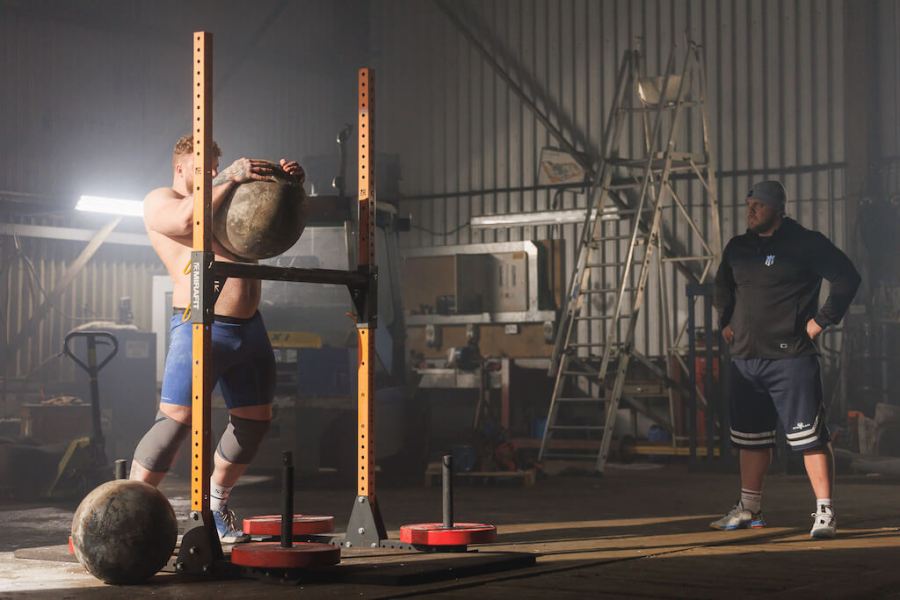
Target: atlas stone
262, 219
124, 532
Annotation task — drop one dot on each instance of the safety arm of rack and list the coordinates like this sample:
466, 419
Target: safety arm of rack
352, 279
361, 283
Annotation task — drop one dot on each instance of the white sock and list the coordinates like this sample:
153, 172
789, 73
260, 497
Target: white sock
751, 500
824, 505
218, 495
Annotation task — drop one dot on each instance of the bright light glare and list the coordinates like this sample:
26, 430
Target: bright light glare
110, 206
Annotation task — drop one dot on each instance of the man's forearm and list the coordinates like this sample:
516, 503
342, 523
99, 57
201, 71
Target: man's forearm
723, 293
221, 191
834, 266
839, 299
725, 315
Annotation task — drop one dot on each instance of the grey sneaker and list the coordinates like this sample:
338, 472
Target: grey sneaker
824, 525
226, 525
739, 518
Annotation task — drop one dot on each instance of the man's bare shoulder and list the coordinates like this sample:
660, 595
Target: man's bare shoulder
162, 194
164, 212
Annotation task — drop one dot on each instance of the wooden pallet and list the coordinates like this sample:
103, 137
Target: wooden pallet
433, 474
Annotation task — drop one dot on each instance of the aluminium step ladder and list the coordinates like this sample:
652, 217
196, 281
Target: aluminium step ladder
623, 239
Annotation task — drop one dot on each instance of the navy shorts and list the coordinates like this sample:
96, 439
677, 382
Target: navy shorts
764, 390
243, 363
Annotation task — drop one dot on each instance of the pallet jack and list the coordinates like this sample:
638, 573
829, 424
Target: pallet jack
84, 464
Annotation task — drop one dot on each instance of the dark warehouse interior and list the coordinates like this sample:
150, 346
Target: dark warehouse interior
407, 298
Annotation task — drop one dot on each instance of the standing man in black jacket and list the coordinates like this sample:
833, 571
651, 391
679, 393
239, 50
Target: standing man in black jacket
766, 294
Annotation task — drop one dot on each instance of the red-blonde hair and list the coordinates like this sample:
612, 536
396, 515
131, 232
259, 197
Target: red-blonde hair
185, 146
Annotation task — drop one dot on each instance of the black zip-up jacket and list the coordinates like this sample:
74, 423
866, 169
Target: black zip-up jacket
767, 289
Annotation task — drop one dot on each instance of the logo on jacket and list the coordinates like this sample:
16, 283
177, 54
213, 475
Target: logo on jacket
770, 260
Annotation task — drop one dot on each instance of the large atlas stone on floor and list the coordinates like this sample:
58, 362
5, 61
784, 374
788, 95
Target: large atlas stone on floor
124, 532
262, 219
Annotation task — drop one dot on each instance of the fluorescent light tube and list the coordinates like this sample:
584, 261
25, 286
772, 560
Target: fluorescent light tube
111, 206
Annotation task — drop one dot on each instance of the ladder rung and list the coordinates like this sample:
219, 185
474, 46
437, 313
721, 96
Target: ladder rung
585, 345
611, 264
615, 289
634, 211
606, 238
600, 318
580, 373
591, 399
658, 166
606, 290
615, 348
686, 258
596, 242
666, 106
576, 428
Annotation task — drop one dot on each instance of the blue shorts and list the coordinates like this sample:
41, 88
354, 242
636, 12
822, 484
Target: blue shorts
764, 390
243, 363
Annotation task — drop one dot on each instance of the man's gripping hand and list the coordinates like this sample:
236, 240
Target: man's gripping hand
246, 169
293, 168
728, 334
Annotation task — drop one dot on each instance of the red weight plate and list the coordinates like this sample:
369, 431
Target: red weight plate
461, 534
303, 525
270, 555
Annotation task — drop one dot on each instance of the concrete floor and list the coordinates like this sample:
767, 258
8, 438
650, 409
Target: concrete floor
638, 533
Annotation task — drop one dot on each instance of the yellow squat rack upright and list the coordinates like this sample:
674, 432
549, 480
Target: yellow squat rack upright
200, 551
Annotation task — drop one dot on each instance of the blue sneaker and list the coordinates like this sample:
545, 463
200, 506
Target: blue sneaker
226, 525
739, 518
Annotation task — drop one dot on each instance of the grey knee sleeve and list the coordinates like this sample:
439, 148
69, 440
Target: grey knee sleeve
241, 440
156, 450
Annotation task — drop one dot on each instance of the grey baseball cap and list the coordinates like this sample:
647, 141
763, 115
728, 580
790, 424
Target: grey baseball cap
769, 192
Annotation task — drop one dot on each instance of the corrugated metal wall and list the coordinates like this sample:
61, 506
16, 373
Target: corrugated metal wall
31, 271
775, 99
889, 92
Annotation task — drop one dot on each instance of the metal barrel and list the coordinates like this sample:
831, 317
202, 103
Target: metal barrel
121, 468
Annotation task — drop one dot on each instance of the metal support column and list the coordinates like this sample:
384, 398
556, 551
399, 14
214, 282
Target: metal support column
201, 551
366, 527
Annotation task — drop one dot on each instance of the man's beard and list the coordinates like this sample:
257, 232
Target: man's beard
765, 225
